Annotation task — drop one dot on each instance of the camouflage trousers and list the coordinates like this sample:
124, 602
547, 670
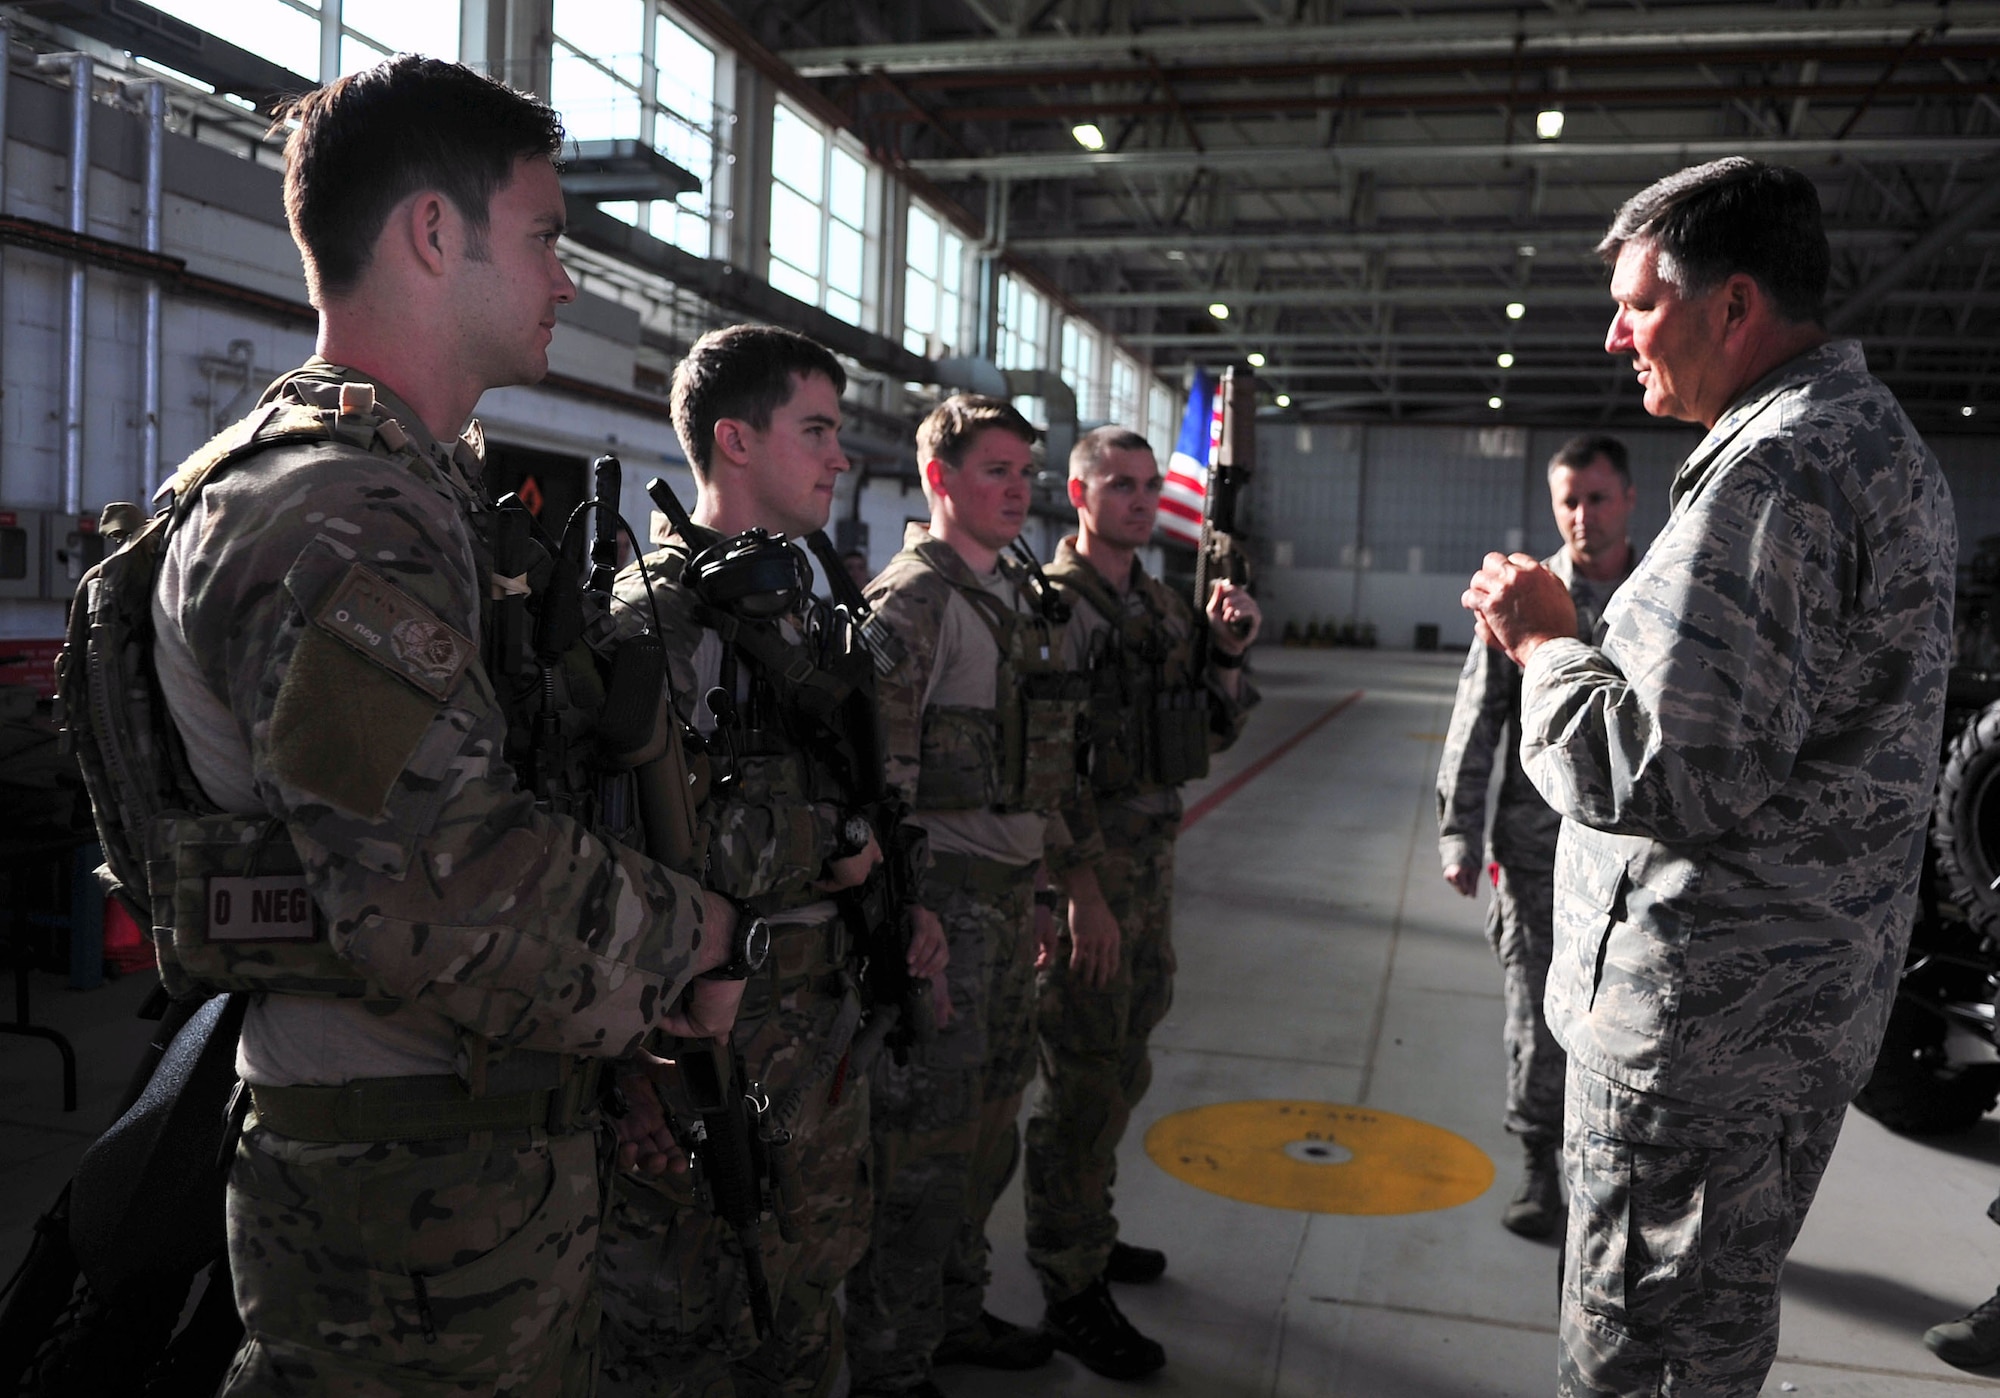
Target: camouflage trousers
1680, 1220
945, 1141
1520, 923
677, 1318
385, 1269
1094, 1063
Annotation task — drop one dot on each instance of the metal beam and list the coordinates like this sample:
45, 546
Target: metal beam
1676, 30
1462, 297
1235, 342
1079, 164
1545, 241
1970, 214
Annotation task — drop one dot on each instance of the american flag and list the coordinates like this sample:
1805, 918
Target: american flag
1186, 485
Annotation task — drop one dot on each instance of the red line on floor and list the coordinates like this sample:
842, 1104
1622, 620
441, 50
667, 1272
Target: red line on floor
1263, 764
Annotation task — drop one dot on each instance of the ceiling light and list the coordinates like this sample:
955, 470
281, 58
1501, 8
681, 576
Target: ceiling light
1505, 360
1284, 400
1256, 360
1526, 250
1494, 402
1967, 411
1176, 255
1515, 310
1218, 310
1087, 135
1548, 125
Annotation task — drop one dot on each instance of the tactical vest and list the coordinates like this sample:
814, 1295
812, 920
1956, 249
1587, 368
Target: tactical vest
224, 894
802, 733
1021, 754
1149, 712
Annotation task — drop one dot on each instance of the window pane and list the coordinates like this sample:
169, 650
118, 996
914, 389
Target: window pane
923, 242
793, 282
915, 343
953, 259
849, 203
795, 231
948, 319
686, 228
846, 307
919, 302
686, 68
797, 151
843, 259
624, 210
399, 26
594, 106
267, 28
610, 31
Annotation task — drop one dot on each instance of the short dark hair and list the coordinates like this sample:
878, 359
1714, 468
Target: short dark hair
947, 433
366, 142
744, 372
1711, 221
1088, 453
1579, 451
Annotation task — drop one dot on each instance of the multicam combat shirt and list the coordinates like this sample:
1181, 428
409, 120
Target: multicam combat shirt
1745, 765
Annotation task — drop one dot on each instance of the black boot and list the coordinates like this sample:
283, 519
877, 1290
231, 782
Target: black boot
1536, 1210
993, 1343
1090, 1326
1132, 1266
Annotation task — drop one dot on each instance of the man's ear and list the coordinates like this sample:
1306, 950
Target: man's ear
732, 441
1742, 299
1077, 491
422, 222
936, 475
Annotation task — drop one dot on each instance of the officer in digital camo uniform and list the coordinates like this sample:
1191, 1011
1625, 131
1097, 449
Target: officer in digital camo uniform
1744, 766
758, 413
1590, 490
414, 1205
981, 719
1156, 712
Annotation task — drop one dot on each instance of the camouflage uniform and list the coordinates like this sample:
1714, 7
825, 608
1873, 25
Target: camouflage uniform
1486, 719
676, 1310
1139, 649
945, 1140
376, 1249
1745, 767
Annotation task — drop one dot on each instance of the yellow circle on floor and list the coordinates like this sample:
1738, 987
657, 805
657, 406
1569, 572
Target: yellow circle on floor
1320, 1157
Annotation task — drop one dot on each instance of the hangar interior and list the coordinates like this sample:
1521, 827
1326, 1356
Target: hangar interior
1386, 208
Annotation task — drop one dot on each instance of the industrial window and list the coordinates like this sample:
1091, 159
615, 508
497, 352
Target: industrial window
1125, 405
684, 130
287, 34
597, 70
1079, 366
819, 217
1163, 420
1022, 339
371, 30
933, 285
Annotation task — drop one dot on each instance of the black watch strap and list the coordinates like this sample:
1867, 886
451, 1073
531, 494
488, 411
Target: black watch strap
749, 948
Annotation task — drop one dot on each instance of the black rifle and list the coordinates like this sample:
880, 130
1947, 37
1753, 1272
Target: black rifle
718, 1109
1221, 557
878, 912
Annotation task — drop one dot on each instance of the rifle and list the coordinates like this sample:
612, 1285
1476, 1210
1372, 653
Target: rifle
1221, 556
878, 912
707, 1091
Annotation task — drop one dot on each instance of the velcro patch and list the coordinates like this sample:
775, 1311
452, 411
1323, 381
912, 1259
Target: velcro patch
397, 632
276, 908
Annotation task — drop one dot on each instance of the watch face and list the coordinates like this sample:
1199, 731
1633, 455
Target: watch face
855, 833
757, 944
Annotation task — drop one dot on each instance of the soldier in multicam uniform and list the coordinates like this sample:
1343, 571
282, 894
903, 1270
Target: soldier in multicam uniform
758, 413
981, 718
1744, 766
1156, 712
414, 1205
1590, 490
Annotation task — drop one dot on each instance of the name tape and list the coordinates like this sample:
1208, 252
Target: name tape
271, 909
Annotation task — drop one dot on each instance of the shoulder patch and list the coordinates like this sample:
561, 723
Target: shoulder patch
397, 632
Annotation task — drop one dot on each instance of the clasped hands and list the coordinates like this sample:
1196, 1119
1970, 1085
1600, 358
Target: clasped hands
1517, 604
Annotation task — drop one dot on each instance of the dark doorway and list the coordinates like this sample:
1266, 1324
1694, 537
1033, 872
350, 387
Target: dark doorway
549, 483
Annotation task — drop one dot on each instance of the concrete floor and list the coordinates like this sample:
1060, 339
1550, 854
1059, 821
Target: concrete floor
1321, 958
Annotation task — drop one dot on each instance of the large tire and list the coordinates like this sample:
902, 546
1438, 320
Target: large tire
1915, 1090
1965, 830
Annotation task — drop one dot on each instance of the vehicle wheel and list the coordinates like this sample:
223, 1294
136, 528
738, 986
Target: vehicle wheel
1914, 1089
1965, 829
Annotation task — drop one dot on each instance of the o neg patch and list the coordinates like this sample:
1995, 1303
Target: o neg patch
397, 632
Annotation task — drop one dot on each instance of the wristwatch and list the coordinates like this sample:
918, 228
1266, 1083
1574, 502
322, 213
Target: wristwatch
747, 951
855, 833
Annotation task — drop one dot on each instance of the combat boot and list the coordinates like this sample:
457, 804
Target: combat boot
1134, 1266
1090, 1326
1970, 1342
1536, 1210
993, 1343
